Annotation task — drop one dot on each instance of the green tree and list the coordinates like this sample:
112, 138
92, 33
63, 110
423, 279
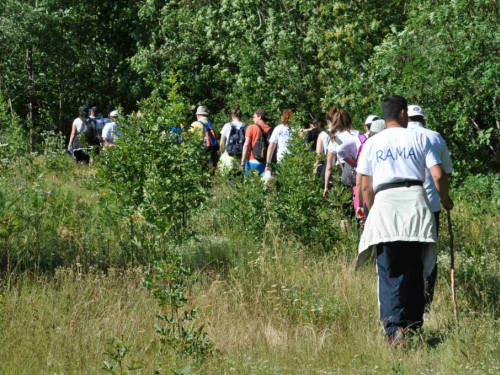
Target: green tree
446, 60
269, 54
153, 171
56, 54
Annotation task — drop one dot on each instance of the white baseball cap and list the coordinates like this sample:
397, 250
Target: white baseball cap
114, 114
378, 126
370, 119
415, 110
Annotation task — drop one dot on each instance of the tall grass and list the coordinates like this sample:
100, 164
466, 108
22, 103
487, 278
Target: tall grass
73, 270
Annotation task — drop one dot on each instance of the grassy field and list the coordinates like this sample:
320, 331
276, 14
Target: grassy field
270, 306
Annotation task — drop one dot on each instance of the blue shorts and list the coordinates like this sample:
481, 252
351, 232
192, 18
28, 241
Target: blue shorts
260, 167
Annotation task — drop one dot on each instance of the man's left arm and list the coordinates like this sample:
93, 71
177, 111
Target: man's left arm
270, 153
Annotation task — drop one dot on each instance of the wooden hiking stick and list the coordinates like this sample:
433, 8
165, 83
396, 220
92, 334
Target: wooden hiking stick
452, 261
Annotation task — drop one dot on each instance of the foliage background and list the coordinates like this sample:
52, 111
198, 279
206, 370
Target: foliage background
305, 55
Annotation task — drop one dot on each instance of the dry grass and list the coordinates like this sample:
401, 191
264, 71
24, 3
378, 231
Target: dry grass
270, 308
291, 316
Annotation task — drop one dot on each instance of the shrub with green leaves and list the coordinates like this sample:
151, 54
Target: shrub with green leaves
154, 171
170, 282
299, 203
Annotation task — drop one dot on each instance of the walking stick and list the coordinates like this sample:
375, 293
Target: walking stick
452, 261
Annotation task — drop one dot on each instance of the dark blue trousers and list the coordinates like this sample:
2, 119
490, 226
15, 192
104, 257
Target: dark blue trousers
401, 285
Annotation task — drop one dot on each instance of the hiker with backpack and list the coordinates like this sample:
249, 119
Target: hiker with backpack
83, 137
417, 123
341, 131
97, 122
279, 139
256, 145
203, 129
110, 132
232, 139
401, 224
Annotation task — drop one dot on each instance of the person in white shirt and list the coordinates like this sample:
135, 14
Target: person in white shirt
400, 225
75, 146
280, 137
110, 131
323, 139
351, 152
340, 124
348, 150
417, 123
235, 124
232, 140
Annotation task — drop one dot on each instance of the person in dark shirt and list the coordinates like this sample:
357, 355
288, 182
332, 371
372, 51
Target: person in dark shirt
311, 137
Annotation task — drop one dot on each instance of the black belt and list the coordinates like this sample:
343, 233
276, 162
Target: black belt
394, 185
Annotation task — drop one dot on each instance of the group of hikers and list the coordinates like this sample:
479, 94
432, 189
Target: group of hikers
399, 174
91, 131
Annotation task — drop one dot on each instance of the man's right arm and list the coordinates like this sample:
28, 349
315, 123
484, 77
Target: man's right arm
367, 189
433, 162
72, 137
270, 152
222, 143
106, 135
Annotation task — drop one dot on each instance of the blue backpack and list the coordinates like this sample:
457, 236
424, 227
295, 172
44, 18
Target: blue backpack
209, 139
236, 140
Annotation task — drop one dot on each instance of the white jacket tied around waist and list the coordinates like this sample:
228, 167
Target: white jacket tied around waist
400, 214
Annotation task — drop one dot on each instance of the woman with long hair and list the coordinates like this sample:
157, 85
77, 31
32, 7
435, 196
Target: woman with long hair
340, 125
280, 137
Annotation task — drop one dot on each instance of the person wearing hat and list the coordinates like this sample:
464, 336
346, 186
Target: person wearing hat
369, 121
201, 121
417, 122
401, 225
110, 131
198, 128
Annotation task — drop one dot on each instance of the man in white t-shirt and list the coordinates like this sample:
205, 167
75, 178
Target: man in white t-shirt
401, 225
110, 131
417, 123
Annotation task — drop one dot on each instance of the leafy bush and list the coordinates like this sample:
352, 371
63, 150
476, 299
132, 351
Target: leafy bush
293, 204
299, 203
170, 281
154, 173
14, 140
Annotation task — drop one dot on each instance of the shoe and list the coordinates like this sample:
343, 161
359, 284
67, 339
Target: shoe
397, 339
